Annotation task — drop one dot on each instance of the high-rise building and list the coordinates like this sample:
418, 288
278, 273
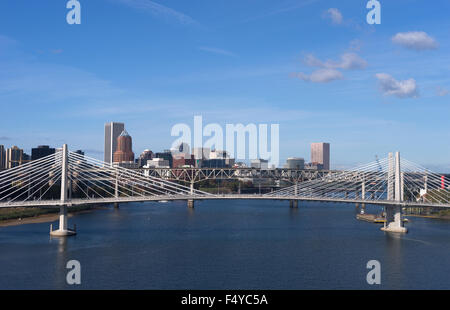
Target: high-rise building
145, 156
14, 157
124, 152
166, 155
112, 132
2, 157
41, 151
320, 154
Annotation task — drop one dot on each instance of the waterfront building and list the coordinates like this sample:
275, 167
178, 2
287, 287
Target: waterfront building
296, 163
41, 151
166, 155
14, 157
201, 152
320, 154
157, 163
145, 156
112, 132
260, 164
124, 152
183, 161
314, 166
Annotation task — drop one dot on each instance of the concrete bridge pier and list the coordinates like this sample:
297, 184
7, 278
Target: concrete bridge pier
190, 202
63, 231
293, 203
394, 222
116, 205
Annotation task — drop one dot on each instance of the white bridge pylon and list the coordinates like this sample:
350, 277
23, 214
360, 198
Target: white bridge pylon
77, 179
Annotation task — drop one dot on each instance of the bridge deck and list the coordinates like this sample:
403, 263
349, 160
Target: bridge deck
77, 202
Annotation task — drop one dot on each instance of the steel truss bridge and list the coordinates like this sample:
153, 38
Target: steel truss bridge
196, 175
391, 182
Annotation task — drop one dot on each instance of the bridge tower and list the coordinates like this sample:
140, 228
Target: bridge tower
116, 189
63, 231
394, 221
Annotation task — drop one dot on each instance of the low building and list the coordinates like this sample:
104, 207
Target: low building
295, 163
260, 164
182, 161
314, 166
166, 155
157, 163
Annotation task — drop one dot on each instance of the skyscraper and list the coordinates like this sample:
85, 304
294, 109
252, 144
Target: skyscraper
124, 152
41, 151
2, 157
112, 132
14, 157
320, 154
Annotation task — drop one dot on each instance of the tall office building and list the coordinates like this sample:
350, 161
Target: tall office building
2, 157
124, 152
41, 151
145, 156
320, 154
14, 157
112, 132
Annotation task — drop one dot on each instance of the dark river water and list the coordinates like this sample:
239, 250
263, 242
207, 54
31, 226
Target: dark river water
226, 245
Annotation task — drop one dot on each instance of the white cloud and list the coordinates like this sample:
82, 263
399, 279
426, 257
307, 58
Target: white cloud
415, 40
401, 89
441, 92
321, 76
160, 10
329, 69
334, 15
348, 61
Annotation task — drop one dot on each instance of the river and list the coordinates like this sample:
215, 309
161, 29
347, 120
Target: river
226, 245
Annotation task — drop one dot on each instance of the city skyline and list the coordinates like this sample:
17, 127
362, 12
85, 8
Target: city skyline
366, 89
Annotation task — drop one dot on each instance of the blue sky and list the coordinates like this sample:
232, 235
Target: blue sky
315, 67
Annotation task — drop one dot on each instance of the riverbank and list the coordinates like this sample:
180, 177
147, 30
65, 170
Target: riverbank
441, 215
432, 216
22, 216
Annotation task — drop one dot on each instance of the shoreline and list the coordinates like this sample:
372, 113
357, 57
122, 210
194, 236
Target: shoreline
436, 217
45, 218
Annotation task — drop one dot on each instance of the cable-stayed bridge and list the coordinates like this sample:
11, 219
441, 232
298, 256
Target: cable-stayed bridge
79, 180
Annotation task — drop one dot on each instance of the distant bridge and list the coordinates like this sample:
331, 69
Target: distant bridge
389, 182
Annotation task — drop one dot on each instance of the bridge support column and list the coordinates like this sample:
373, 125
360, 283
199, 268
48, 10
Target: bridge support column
190, 202
63, 231
394, 221
293, 203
